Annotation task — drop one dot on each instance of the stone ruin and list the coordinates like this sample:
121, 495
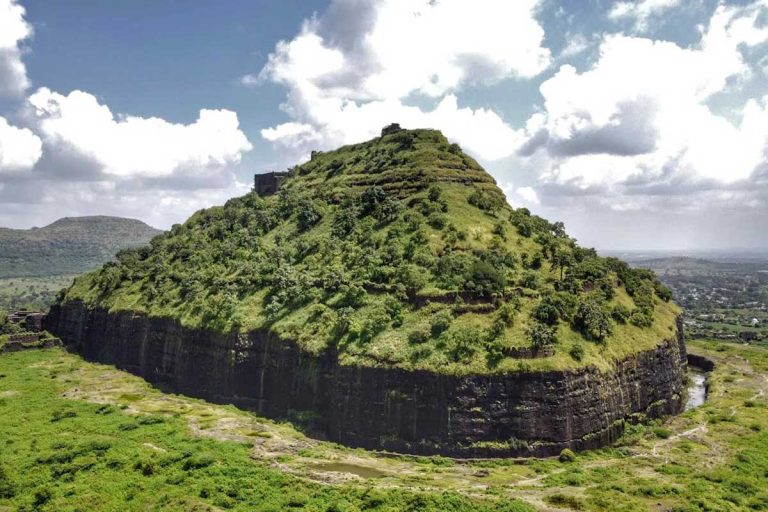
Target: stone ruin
391, 128
30, 320
268, 183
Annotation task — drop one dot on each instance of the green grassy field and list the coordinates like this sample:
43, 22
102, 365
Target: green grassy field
81, 436
61, 452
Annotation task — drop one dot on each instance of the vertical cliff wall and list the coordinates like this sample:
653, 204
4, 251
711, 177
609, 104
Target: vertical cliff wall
536, 413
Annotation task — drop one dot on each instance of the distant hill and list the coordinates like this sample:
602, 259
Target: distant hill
689, 266
71, 245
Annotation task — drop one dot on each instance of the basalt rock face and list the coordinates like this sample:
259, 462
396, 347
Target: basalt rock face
514, 414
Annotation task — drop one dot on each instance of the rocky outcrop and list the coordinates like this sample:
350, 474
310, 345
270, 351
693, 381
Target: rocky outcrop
419, 412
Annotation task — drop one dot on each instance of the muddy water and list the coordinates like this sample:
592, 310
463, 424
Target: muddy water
697, 392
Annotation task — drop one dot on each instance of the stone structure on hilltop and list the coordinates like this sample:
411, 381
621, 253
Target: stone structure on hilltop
390, 129
30, 320
267, 184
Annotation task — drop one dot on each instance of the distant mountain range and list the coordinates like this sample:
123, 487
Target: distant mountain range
71, 245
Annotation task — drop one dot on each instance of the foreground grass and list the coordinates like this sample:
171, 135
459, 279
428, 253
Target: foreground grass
66, 455
82, 436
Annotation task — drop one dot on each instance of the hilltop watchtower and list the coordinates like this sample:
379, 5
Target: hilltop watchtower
267, 184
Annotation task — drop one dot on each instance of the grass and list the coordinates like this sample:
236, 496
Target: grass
82, 436
70, 454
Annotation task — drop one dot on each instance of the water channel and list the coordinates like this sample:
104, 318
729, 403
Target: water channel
697, 391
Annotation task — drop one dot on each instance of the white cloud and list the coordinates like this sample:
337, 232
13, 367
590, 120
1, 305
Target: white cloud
528, 194
249, 80
520, 196
350, 71
20, 149
577, 44
13, 30
641, 11
38, 202
88, 161
134, 146
640, 114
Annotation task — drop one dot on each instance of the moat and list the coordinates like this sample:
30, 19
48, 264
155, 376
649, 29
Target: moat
697, 390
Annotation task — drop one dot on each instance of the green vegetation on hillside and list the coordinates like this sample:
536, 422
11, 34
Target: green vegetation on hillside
68, 246
400, 251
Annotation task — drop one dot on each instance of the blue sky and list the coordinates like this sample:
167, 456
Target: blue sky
640, 124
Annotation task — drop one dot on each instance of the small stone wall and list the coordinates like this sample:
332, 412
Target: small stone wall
529, 352
17, 346
24, 337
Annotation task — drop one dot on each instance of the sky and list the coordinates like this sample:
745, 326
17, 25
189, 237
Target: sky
643, 125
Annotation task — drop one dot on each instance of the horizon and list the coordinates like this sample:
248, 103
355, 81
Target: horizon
643, 126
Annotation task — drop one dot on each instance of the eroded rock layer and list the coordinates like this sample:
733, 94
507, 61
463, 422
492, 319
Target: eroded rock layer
420, 412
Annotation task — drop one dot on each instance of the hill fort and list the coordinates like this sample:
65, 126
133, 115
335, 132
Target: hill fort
387, 296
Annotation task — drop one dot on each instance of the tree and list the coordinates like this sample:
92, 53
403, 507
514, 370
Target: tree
484, 278
546, 312
541, 335
592, 320
558, 229
562, 260
308, 216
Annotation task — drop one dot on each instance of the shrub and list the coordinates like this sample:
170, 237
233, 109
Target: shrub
42, 496
463, 341
434, 193
483, 278
565, 500
641, 317
145, 467
577, 352
371, 197
436, 220
524, 229
546, 312
507, 313
500, 230
198, 461
344, 221
308, 216
662, 433
60, 415
530, 280
440, 323
485, 201
7, 489
387, 210
620, 313
418, 336
567, 455
541, 335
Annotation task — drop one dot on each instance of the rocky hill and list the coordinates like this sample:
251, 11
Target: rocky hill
71, 245
388, 287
